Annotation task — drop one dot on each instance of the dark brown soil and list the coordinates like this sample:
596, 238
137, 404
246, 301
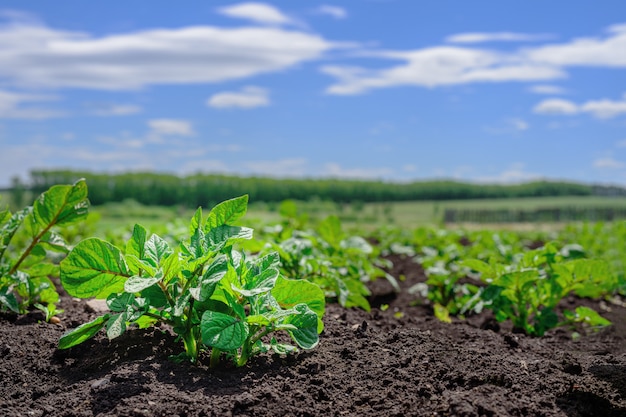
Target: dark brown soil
367, 364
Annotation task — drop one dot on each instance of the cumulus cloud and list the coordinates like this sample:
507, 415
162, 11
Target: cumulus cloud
604, 109
455, 64
608, 163
170, 127
601, 109
257, 12
546, 89
556, 106
438, 66
477, 37
15, 105
333, 11
116, 110
247, 98
37, 56
599, 51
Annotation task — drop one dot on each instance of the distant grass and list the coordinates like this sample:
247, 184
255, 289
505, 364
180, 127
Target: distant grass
411, 214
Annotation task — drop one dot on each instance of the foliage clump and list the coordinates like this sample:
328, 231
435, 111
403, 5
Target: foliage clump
29, 240
213, 296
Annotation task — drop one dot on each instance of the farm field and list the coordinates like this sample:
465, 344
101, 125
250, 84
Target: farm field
417, 320
356, 215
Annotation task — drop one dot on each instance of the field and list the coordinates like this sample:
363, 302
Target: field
356, 215
419, 319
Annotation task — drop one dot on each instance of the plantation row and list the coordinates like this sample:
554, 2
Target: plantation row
226, 289
546, 215
207, 190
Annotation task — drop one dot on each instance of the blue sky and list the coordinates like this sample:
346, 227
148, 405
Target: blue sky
480, 90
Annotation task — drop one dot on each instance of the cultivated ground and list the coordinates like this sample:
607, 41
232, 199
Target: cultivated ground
367, 364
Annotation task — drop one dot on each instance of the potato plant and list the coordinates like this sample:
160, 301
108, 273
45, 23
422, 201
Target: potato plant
28, 240
341, 264
213, 296
527, 293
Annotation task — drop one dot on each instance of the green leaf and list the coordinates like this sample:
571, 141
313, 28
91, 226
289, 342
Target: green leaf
83, 332
591, 317
138, 284
480, 266
120, 302
227, 212
116, 325
62, 204
258, 284
212, 276
356, 243
94, 268
156, 249
10, 227
222, 331
224, 235
289, 293
137, 242
196, 221
135, 265
171, 267
8, 300
306, 322
54, 242
330, 230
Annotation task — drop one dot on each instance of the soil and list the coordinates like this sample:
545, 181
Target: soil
367, 364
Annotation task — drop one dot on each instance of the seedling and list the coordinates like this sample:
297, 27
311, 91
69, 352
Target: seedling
208, 292
527, 293
28, 238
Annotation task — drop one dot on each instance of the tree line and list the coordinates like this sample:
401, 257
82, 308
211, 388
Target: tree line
164, 189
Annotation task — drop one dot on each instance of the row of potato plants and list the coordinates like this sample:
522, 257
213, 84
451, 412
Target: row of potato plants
226, 293
212, 295
519, 277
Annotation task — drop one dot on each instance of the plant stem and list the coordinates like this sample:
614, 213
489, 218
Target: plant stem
215, 357
191, 346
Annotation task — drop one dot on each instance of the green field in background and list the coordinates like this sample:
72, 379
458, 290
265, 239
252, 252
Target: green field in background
114, 216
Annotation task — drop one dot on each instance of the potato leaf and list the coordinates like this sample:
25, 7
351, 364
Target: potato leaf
94, 268
222, 331
62, 205
83, 332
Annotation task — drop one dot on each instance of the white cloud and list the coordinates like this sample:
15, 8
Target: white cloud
333, 11
601, 109
248, 98
604, 109
438, 66
608, 163
519, 124
117, 110
257, 12
170, 127
556, 106
477, 37
621, 143
12, 106
37, 56
606, 52
452, 65
546, 89
508, 126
